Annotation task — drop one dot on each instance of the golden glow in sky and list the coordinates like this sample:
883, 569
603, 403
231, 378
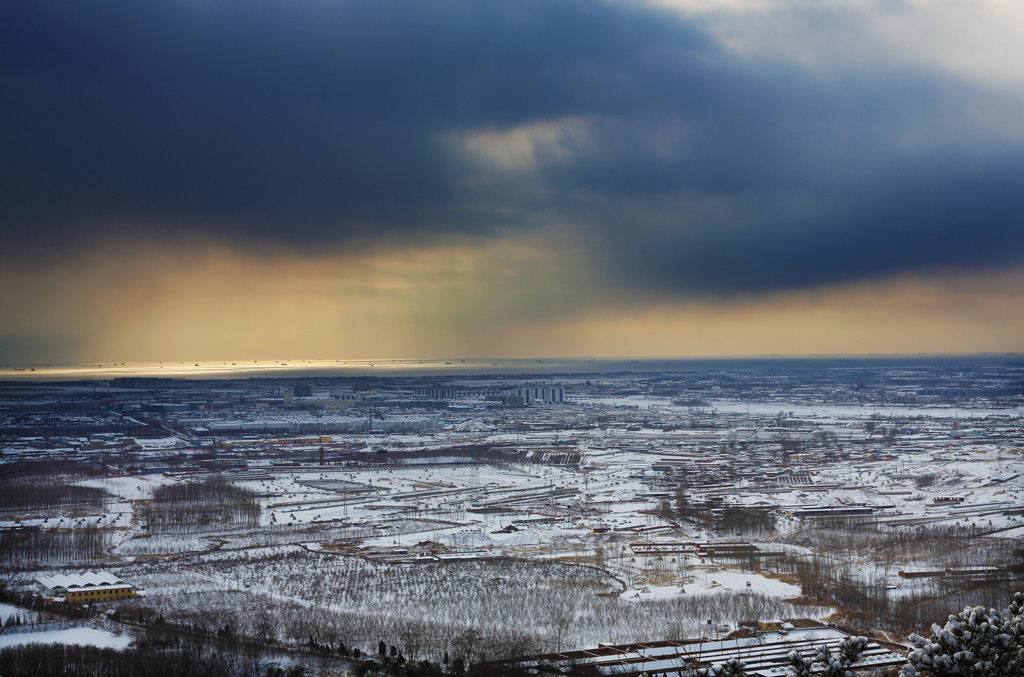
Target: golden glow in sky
498, 299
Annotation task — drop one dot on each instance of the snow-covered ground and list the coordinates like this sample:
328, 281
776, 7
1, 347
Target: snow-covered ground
82, 636
7, 611
131, 488
397, 525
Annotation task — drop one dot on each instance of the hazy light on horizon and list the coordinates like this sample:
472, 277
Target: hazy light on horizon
475, 302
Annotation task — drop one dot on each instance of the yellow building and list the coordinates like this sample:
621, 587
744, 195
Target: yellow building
92, 586
770, 626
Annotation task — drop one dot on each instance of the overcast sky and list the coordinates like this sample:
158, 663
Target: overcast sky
327, 179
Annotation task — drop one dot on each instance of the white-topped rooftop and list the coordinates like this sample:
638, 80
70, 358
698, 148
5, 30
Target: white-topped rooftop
88, 580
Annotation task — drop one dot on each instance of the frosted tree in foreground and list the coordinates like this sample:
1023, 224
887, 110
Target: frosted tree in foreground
977, 642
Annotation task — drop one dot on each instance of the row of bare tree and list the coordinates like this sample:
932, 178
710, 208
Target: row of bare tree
201, 507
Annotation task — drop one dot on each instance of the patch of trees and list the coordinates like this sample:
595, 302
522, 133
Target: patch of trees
742, 521
826, 437
48, 496
475, 610
835, 575
727, 519
46, 468
201, 507
329, 605
59, 660
52, 546
46, 486
941, 546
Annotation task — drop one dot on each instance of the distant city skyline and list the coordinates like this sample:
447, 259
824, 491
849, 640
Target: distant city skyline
206, 182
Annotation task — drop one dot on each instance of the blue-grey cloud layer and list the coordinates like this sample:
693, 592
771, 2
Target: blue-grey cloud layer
320, 124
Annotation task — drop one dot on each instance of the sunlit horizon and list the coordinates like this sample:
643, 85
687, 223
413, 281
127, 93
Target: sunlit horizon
412, 367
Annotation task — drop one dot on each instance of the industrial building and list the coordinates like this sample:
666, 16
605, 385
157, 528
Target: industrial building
831, 511
546, 394
91, 586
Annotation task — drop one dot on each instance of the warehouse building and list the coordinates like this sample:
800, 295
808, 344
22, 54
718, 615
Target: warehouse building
91, 586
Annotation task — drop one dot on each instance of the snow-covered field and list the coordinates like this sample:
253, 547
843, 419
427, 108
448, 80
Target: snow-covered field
82, 636
7, 611
131, 488
433, 547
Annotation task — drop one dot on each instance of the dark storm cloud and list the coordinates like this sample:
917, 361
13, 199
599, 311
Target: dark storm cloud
971, 224
316, 124
304, 120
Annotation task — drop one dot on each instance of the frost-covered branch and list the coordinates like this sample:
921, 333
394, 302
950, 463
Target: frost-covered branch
977, 642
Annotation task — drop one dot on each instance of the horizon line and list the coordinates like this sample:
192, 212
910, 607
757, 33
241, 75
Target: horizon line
227, 369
